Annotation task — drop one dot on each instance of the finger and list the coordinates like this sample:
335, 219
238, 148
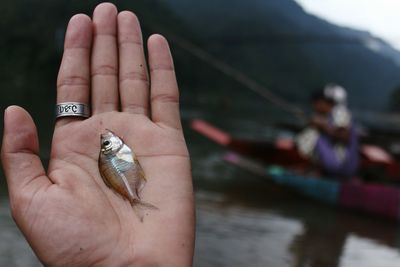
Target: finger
20, 151
105, 59
164, 88
133, 77
74, 75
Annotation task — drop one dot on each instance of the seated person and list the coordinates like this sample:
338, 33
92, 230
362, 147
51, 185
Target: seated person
330, 140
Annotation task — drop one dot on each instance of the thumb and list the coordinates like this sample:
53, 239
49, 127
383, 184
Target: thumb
19, 153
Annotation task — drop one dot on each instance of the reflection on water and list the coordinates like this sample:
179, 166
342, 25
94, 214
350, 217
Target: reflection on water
358, 251
246, 221
237, 235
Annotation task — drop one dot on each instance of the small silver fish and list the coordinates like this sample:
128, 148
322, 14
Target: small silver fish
121, 171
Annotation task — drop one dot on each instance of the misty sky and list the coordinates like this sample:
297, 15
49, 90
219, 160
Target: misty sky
380, 17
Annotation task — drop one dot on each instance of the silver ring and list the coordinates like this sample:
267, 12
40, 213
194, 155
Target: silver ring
72, 109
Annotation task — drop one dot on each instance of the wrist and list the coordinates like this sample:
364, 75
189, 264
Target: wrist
157, 257
139, 257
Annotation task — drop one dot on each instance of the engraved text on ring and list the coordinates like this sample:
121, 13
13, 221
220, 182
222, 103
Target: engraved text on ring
68, 108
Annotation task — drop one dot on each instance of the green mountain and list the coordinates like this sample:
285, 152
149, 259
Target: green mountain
291, 52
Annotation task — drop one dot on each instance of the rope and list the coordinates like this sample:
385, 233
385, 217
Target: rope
236, 75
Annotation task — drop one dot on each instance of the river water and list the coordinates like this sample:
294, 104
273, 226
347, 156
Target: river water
242, 220
251, 223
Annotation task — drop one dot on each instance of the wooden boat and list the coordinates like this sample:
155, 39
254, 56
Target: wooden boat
283, 152
279, 161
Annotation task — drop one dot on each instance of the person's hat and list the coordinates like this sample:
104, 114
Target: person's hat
336, 92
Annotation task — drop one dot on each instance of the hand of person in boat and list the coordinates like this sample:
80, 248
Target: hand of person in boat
67, 214
340, 134
319, 122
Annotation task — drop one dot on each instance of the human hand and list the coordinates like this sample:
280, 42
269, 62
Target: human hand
67, 213
318, 122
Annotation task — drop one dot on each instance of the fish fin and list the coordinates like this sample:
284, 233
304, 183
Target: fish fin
139, 187
107, 183
140, 170
139, 207
143, 175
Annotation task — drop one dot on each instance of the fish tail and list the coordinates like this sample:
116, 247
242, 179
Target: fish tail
140, 207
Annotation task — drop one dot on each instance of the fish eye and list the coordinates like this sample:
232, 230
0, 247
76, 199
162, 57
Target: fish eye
106, 143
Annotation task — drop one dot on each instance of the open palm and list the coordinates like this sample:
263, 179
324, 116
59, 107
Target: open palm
67, 214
